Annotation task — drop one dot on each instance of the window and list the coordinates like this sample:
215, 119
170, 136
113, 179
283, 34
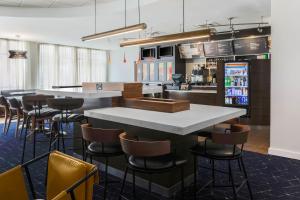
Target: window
62, 65
12, 71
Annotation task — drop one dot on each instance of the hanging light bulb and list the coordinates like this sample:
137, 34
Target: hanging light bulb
16, 54
124, 58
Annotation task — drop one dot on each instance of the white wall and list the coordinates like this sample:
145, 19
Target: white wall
285, 86
117, 69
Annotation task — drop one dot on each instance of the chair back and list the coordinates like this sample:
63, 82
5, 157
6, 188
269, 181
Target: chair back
14, 104
12, 184
238, 134
65, 103
36, 100
64, 171
139, 148
99, 135
3, 102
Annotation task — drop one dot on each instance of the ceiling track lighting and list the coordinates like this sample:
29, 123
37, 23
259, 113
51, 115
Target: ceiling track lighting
16, 54
177, 37
111, 33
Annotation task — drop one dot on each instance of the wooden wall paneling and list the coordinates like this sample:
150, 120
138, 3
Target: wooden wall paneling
260, 85
220, 83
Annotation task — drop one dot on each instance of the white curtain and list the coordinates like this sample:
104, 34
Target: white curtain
84, 63
66, 66
98, 66
62, 65
48, 66
13, 72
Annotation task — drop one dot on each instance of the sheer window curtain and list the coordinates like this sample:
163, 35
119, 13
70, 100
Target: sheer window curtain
12, 71
62, 65
84, 65
98, 66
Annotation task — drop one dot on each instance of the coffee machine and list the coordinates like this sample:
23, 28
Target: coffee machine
178, 79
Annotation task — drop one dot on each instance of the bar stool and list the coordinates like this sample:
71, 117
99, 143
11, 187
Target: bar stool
103, 143
5, 106
15, 110
149, 157
66, 114
37, 116
228, 147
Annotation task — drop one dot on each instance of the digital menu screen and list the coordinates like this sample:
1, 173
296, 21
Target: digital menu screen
225, 48
194, 50
219, 48
248, 46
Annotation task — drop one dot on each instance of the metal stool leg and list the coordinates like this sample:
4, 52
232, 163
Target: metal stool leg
34, 141
133, 182
24, 142
83, 149
23, 124
51, 135
5, 121
213, 177
62, 137
123, 183
232, 181
17, 125
9, 122
246, 176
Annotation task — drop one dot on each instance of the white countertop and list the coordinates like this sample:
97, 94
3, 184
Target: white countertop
194, 91
181, 123
80, 93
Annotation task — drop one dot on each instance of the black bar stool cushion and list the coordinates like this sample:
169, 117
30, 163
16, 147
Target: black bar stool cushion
95, 147
156, 163
71, 117
215, 150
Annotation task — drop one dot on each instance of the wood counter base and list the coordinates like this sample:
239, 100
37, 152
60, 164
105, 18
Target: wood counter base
193, 97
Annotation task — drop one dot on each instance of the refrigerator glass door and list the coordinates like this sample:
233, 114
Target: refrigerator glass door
236, 83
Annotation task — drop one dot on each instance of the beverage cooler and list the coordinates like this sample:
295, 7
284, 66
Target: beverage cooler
236, 82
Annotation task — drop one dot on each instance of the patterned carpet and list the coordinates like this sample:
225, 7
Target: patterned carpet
271, 177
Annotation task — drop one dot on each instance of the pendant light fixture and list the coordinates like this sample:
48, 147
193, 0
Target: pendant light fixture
16, 54
120, 31
178, 37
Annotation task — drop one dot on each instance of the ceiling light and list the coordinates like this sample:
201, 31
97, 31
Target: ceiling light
178, 37
127, 29
16, 54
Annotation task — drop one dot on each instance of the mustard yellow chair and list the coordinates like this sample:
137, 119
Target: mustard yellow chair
67, 178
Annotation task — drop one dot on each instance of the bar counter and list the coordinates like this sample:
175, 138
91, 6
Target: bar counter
85, 93
177, 127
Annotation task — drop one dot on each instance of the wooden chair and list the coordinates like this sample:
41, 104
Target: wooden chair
5, 106
149, 157
16, 111
227, 146
36, 118
66, 108
103, 143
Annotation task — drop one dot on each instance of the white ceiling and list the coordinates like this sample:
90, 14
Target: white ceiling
67, 24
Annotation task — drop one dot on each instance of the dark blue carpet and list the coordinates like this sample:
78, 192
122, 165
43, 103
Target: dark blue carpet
271, 177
